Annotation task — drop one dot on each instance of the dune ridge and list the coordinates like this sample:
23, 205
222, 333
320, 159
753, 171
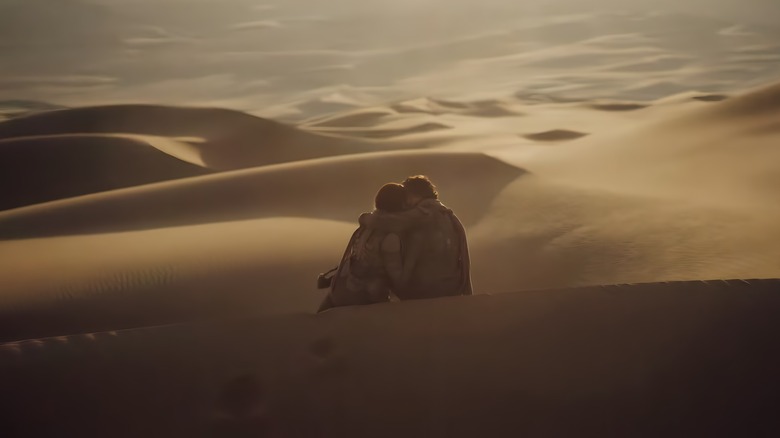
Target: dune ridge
480, 108
227, 139
381, 132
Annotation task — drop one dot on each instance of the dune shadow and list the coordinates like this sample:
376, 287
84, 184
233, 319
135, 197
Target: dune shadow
618, 106
711, 97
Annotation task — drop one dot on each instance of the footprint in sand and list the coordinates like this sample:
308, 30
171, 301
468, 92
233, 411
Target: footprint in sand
241, 410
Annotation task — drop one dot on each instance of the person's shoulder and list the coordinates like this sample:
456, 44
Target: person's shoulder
431, 206
367, 219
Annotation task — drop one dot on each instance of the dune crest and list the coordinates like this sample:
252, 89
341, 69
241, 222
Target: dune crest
483, 108
360, 118
230, 139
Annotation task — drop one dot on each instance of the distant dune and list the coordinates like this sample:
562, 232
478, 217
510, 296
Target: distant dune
484, 108
711, 97
46, 168
618, 106
555, 135
21, 107
225, 139
388, 132
365, 117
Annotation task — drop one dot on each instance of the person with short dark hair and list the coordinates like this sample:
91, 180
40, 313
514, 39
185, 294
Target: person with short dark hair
420, 186
371, 266
436, 260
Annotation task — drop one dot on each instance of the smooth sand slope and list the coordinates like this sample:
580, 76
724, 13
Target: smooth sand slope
721, 152
677, 359
133, 279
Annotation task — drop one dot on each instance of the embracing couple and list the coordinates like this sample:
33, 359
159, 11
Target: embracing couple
411, 246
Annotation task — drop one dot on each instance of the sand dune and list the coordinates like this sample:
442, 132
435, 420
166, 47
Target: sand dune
387, 132
365, 117
640, 360
139, 278
337, 188
555, 135
20, 107
45, 168
226, 139
618, 106
761, 101
711, 97
485, 108
720, 152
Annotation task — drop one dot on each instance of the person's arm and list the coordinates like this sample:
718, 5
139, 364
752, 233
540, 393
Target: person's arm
411, 254
399, 260
464, 256
393, 261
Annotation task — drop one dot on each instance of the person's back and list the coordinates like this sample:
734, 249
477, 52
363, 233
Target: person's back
366, 275
371, 264
435, 249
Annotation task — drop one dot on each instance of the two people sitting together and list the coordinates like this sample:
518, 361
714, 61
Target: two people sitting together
411, 246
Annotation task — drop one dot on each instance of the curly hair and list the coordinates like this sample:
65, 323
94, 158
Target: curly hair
390, 198
421, 186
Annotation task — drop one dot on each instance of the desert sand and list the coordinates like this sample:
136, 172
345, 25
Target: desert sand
686, 196
675, 359
162, 222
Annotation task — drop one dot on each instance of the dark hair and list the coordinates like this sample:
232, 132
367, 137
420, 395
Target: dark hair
421, 186
390, 198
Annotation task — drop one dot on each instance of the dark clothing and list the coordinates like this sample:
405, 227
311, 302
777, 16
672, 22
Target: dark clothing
368, 270
436, 255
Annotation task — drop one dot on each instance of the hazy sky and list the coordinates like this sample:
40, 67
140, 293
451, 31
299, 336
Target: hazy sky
283, 57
